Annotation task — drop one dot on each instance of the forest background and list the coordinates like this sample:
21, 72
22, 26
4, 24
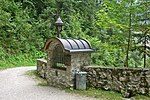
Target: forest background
119, 30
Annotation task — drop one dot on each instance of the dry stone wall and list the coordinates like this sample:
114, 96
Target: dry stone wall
54, 77
79, 60
58, 78
42, 67
128, 81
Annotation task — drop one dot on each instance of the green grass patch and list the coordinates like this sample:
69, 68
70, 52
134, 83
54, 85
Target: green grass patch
17, 60
105, 95
98, 93
142, 97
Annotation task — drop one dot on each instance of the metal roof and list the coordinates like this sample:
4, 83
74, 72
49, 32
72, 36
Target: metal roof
71, 45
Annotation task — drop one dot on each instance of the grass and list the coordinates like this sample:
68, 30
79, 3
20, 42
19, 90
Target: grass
105, 95
17, 60
98, 93
142, 97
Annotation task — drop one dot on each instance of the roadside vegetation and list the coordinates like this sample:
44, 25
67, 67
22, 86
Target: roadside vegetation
17, 60
117, 30
20, 59
105, 95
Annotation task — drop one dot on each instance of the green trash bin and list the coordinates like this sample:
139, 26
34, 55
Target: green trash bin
81, 80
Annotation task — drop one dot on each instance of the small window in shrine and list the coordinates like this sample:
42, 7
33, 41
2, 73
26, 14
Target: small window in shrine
58, 58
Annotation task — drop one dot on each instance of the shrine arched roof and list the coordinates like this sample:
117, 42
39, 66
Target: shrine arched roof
71, 45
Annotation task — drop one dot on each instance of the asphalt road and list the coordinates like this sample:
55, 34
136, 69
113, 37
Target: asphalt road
15, 85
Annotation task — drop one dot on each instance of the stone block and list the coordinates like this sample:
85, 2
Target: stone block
122, 79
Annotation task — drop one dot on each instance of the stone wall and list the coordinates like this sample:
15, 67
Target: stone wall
54, 77
42, 67
79, 60
58, 78
128, 81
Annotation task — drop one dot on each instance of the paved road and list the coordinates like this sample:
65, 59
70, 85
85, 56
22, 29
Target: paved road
14, 85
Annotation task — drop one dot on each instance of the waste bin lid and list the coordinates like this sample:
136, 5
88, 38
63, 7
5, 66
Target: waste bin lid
81, 72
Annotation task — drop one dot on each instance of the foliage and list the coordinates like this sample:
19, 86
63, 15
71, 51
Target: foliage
107, 55
17, 60
124, 23
20, 59
25, 25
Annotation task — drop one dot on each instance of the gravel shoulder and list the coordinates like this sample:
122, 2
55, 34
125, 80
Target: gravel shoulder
15, 85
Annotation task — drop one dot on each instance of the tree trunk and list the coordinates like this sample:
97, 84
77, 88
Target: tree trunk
145, 40
129, 40
144, 49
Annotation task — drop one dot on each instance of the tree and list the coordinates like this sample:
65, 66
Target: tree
143, 29
15, 27
110, 17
